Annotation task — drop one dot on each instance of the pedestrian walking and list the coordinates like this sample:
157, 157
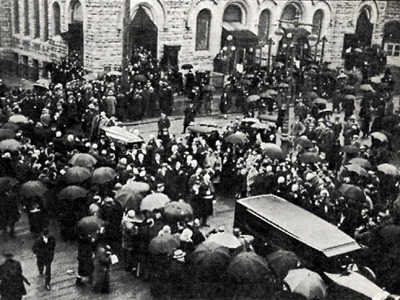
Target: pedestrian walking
190, 113
43, 248
102, 263
11, 279
86, 249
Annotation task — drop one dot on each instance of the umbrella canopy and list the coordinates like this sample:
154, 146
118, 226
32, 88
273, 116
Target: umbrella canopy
306, 283
362, 162
9, 125
139, 78
83, 160
320, 101
253, 98
154, 201
187, 66
245, 81
129, 199
114, 73
357, 169
342, 76
272, 150
163, 244
89, 226
376, 79
311, 95
303, 141
89, 77
282, 261
10, 145
248, 267
211, 260
260, 125
350, 149
309, 158
137, 186
391, 234
268, 94
325, 112
33, 188
103, 175
349, 98
237, 138
225, 239
72, 192
283, 85
19, 119
349, 88
42, 83
76, 174
388, 169
178, 210
7, 183
379, 136
352, 191
6, 134
209, 88
201, 129
366, 88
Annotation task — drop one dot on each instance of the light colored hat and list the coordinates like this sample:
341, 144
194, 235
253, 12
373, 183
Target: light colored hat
179, 254
186, 235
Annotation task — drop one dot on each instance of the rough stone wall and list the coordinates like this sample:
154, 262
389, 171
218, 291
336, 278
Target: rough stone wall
5, 27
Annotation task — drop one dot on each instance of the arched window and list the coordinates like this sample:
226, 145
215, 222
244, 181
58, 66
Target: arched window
36, 19
45, 19
56, 19
317, 22
263, 25
16, 16
233, 13
291, 12
76, 13
203, 30
26, 17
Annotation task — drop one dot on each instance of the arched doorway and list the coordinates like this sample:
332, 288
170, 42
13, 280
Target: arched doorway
143, 33
364, 28
74, 35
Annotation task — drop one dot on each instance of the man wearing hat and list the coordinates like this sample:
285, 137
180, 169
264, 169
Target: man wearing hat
110, 104
11, 279
44, 248
130, 239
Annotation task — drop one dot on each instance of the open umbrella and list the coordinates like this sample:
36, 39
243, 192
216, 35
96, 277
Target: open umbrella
325, 112
352, 191
248, 267
362, 162
303, 141
388, 169
349, 98
178, 210
350, 149
10, 145
9, 125
19, 119
252, 98
209, 88
129, 199
154, 201
201, 129
76, 174
139, 78
342, 76
89, 226
283, 85
271, 150
260, 125
103, 175
245, 81
306, 283
268, 94
114, 73
379, 136
187, 66
225, 239
311, 95
282, 261
163, 244
137, 186
366, 88
376, 79
210, 260
72, 192
357, 169
33, 188
89, 77
391, 234
7, 183
309, 158
6, 134
320, 101
83, 160
237, 138
42, 83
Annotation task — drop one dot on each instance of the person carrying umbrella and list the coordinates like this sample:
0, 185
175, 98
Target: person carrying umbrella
102, 263
178, 277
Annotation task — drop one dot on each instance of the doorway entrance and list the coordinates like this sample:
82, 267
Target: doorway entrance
74, 35
364, 29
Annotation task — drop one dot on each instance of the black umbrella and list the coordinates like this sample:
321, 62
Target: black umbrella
187, 66
72, 192
309, 158
248, 267
139, 78
282, 261
178, 210
7, 183
6, 134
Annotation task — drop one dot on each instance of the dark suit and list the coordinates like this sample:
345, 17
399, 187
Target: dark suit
44, 255
12, 281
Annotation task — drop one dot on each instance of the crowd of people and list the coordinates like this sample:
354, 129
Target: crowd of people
342, 182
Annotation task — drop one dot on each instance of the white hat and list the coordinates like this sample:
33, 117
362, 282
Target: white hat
186, 235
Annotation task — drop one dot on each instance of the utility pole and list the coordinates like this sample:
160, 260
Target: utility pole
125, 47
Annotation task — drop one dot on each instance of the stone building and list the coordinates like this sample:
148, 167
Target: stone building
36, 32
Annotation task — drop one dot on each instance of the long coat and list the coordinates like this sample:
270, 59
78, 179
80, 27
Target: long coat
85, 257
102, 264
12, 280
44, 251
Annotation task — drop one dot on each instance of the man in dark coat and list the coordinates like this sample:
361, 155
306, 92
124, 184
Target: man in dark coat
189, 116
12, 280
44, 248
86, 250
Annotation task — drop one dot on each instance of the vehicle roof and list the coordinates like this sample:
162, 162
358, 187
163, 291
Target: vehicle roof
122, 135
301, 224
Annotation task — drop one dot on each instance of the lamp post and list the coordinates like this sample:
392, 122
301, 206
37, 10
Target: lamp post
270, 43
324, 40
227, 50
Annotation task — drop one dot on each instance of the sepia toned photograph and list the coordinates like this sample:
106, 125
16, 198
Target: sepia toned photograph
200, 149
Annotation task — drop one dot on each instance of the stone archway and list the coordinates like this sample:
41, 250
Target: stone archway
364, 28
75, 33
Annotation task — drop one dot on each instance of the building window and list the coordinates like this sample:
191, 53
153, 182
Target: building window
16, 16
56, 19
392, 50
26, 17
36, 19
45, 19
291, 12
77, 13
263, 26
203, 30
233, 13
317, 22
